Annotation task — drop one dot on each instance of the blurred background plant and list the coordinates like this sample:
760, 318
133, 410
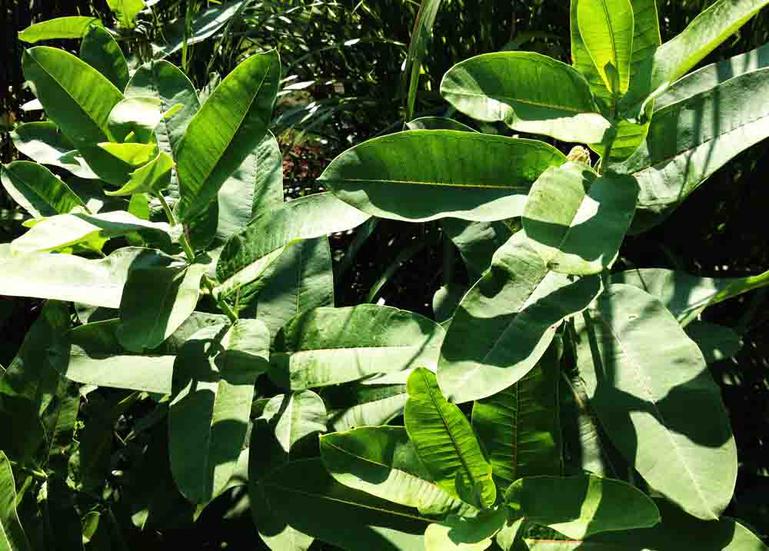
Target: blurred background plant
354, 69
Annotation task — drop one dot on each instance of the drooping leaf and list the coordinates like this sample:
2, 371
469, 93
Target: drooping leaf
69, 278
74, 95
305, 218
159, 294
506, 321
519, 427
37, 190
214, 379
716, 342
73, 26
626, 348
135, 116
328, 346
90, 231
689, 140
580, 506
576, 220
240, 108
126, 11
463, 175
383, 462
686, 295
295, 416
476, 241
44, 143
344, 517
12, 536
529, 92
102, 52
445, 442
606, 28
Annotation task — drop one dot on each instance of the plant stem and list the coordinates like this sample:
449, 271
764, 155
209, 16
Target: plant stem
221, 303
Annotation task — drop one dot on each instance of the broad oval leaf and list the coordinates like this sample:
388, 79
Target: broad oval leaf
606, 28
506, 321
455, 174
160, 293
437, 123
580, 506
12, 536
329, 346
213, 387
716, 342
239, 110
651, 390
75, 95
126, 11
477, 241
576, 220
149, 178
73, 26
529, 92
102, 52
465, 533
37, 190
344, 517
295, 416
445, 442
519, 427
44, 143
383, 462
67, 277
363, 405
304, 218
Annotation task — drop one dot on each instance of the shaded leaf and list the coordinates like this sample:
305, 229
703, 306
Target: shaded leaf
37, 190
295, 416
100, 50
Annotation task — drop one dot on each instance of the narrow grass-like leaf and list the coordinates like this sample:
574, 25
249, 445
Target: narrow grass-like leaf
12, 536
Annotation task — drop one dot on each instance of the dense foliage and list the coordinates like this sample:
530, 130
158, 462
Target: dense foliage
205, 353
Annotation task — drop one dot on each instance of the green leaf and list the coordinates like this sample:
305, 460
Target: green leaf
716, 342
383, 462
100, 50
90, 231
126, 11
690, 139
255, 187
463, 175
626, 348
418, 48
98, 358
343, 517
241, 108
576, 220
169, 85
529, 92
646, 39
329, 346
42, 142
300, 279
214, 378
74, 26
205, 25
477, 241
506, 321
361, 405
295, 416
680, 531
137, 116
37, 190
149, 178
437, 123
66, 277
684, 295
445, 442
132, 154
464, 533
706, 31
304, 218
520, 426
607, 28
12, 536
74, 95
580, 506
160, 293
